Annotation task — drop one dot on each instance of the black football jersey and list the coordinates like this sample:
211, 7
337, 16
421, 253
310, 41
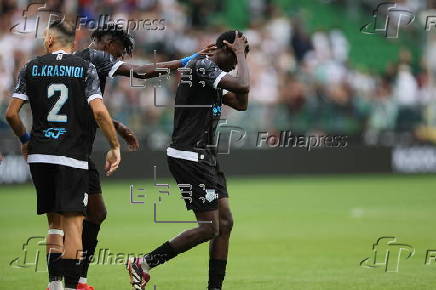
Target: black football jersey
105, 64
194, 127
59, 87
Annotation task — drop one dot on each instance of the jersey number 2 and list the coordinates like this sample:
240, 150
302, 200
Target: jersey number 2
53, 115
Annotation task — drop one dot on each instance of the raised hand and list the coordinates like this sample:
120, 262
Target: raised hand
239, 45
208, 50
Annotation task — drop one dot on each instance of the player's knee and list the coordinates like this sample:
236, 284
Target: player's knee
209, 232
54, 221
53, 225
97, 217
226, 225
101, 217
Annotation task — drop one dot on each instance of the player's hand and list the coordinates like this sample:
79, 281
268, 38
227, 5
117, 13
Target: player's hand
113, 159
25, 150
239, 45
132, 142
129, 137
208, 50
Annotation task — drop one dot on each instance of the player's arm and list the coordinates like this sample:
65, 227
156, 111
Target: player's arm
154, 70
240, 85
17, 101
148, 70
103, 119
14, 120
237, 101
13, 116
127, 135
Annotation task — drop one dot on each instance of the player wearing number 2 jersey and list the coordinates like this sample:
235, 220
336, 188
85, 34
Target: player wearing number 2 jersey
64, 93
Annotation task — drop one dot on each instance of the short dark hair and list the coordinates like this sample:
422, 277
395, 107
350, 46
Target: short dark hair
229, 36
115, 31
65, 28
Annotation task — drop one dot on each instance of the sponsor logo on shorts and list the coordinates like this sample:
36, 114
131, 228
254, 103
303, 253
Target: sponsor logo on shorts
85, 199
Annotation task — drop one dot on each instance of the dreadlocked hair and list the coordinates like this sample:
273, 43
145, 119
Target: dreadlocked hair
115, 31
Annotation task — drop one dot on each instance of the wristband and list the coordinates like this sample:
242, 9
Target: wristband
185, 60
25, 138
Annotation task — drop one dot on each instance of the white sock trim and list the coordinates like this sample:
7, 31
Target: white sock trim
83, 280
56, 232
55, 285
144, 265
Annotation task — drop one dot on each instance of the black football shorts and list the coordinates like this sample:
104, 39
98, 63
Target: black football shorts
60, 189
94, 178
201, 185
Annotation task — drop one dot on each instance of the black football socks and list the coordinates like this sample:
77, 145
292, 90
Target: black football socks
217, 271
72, 268
54, 267
89, 240
160, 255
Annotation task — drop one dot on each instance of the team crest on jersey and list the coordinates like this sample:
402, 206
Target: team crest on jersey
209, 196
216, 110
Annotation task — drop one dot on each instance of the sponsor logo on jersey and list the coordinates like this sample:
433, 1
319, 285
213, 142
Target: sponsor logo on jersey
54, 133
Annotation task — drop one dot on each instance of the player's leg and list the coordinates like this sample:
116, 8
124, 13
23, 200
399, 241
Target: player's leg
219, 246
197, 182
72, 185
95, 215
206, 230
71, 260
55, 249
43, 177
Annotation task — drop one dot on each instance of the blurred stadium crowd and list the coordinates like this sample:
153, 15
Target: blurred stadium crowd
301, 81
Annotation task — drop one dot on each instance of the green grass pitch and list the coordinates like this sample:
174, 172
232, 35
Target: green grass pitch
290, 233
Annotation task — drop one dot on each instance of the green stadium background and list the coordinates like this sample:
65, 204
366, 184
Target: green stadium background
305, 217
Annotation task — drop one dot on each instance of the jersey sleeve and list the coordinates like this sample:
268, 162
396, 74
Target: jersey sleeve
20, 89
105, 63
92, 84
209, 72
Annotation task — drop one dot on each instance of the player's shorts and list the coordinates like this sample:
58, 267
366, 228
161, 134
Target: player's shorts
94, 179
201, 185
60, 189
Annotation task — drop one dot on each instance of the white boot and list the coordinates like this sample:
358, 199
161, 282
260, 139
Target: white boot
55, 285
